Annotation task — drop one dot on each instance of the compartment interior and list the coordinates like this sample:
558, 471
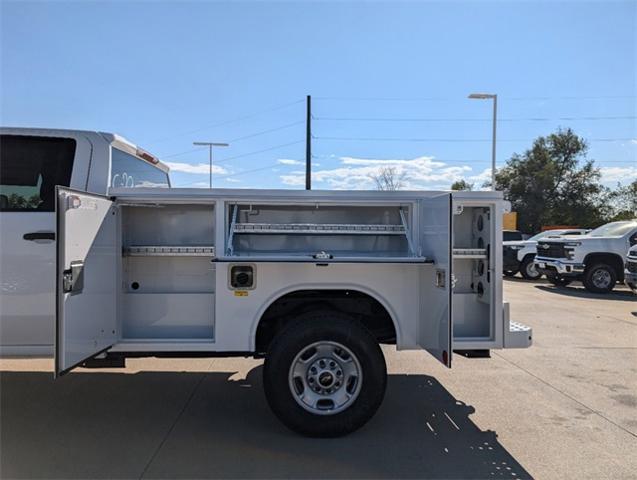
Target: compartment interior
168, 273
354, 231
472, 268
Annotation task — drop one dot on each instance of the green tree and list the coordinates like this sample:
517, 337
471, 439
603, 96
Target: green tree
461, 185
546, 185
623, 201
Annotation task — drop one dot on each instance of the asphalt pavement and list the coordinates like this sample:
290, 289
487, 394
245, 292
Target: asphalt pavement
565, 408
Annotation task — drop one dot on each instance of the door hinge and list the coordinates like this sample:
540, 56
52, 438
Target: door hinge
441, 279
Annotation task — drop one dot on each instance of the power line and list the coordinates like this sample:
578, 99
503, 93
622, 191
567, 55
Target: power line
427, 99
276, 129
235, 140
531, 119
223, 160
249, 171
182, 153
234, 120
449, 140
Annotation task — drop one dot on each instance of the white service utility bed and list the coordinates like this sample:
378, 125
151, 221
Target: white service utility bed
196, 271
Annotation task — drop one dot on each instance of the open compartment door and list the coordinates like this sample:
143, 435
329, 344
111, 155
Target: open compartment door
436, 330
86, 316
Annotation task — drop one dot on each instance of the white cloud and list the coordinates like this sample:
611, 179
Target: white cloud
294, 179
356, 173
233, 180
613, 175
198, 168
289, 161
195, 185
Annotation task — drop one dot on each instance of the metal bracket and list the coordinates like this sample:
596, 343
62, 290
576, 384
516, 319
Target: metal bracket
73, 278
410, 244
440, 278
230, 247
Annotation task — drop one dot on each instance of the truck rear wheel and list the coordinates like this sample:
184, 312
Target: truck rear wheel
324, 375
599, 278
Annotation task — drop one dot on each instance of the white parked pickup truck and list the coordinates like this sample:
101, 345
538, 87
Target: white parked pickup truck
311, 281
597, 259
32, 163
518, 255
630, 273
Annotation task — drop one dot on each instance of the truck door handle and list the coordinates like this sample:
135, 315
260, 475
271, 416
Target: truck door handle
33, 236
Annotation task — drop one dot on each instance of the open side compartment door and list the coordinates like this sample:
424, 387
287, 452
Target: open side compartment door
86, 316
436, 238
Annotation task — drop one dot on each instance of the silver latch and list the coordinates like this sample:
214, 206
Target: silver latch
73, 278
440, 278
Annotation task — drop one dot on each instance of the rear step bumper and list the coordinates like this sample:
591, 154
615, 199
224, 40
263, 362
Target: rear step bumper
516, 335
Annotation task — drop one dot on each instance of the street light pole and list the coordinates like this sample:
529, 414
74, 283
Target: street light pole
210, 145
494, 97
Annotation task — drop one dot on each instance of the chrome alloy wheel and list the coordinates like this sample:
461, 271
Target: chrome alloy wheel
601, 278
325, 378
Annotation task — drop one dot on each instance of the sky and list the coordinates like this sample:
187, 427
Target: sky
389, 84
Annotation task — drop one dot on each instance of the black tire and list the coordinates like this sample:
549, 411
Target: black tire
296, 337
528, 270
599, 278
557, 280
510, 273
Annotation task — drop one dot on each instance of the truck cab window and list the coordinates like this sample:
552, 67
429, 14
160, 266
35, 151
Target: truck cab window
30, 168
128, 171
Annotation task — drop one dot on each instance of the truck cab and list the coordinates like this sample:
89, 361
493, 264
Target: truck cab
596, 259
32, 163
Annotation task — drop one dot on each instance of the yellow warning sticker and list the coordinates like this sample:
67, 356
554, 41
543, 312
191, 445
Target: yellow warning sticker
240, 293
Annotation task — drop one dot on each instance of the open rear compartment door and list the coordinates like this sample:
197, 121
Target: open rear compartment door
87, 253
436, 328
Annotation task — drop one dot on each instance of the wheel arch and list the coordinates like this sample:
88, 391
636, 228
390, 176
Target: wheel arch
528, 255
322, 294
614, 260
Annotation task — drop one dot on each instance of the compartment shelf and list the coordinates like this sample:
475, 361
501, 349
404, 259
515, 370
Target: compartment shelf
476, 253
168, 251
316, 228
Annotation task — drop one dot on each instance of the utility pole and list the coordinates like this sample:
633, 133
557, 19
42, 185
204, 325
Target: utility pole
308, 145
210, 145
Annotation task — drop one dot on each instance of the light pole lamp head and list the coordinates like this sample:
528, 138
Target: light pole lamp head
211, 144
482, 96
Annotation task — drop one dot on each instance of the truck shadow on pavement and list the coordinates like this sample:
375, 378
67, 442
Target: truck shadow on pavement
581, 292
213, 425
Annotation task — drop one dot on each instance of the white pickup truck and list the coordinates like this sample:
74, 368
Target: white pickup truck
597, 259
32, 163
518, 255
